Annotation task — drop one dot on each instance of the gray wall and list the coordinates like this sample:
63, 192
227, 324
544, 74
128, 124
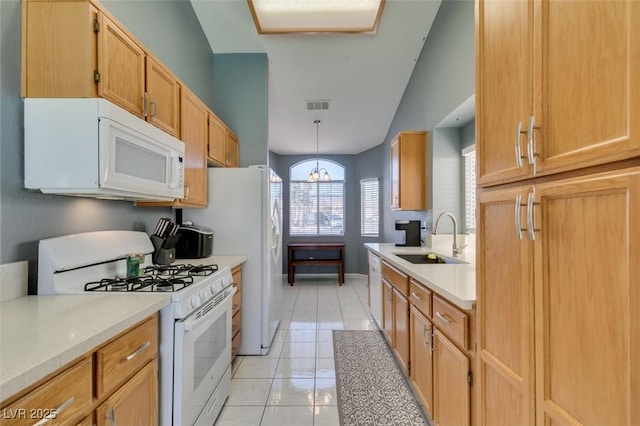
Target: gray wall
365, 165
441, 81
468, 134
241, 101
28, 216
446, 167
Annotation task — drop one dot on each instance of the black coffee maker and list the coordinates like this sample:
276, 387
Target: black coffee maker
412, 232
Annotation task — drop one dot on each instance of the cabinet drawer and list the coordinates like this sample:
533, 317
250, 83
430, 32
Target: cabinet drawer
237, 302
398, 279
118, 360
67, 396
420, 297
451, 321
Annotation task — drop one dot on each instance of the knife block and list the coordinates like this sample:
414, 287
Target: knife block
164, 251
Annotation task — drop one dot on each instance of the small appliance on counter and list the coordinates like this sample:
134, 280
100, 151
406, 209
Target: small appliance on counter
412, 232
196, 242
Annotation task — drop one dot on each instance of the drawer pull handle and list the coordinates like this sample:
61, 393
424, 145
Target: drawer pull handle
443, 318
138, 351
55, 412
413, 293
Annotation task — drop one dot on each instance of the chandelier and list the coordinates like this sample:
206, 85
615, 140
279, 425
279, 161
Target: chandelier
315, 173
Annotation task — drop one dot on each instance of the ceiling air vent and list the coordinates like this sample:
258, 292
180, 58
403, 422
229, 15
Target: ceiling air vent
316, 105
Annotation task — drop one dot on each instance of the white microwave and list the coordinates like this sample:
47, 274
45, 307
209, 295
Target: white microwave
91, 147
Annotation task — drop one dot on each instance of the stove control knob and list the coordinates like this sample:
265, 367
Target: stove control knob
215, 287
203, 295
195, 301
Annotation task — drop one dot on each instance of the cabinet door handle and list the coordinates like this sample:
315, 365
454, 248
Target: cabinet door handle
443, 318
186, 191
137, 351
55, 412
530, 140
426, 338
530, 222
518, 152
413, 293
111, 416
145, 105
154, 109
516, 215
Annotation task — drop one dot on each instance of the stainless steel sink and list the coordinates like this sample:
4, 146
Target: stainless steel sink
422, 259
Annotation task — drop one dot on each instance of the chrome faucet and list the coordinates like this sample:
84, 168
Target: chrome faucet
456, 249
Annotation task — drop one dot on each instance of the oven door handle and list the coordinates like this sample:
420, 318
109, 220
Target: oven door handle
193, 322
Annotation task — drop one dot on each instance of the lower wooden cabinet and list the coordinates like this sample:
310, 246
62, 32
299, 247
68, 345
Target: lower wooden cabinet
236, 321
135, 403
433, 342
451, 391
65, 397
559, 308
116, 383
421, 355
387, 312
401, 329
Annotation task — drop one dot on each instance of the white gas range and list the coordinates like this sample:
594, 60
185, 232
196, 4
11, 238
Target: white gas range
195, 327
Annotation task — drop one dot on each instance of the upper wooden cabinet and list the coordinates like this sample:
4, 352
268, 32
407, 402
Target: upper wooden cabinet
163, 98
59, 49
222, 144
565, 76
409, 171
121, 67
232, 149
194, 135
76, 50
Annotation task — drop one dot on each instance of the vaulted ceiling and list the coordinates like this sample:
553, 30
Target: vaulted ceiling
362, 76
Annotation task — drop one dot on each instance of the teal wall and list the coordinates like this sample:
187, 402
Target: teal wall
240, 88
172, 32
173, 35
238, 93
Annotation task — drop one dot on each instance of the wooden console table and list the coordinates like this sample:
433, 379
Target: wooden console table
310, 260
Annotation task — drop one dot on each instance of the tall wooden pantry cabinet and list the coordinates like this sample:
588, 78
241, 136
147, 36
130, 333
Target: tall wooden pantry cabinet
558, 267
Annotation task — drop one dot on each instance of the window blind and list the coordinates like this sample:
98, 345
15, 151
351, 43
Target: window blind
369, 207
470, 188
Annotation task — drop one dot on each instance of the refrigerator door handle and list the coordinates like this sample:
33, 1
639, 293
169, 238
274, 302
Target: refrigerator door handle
275, 216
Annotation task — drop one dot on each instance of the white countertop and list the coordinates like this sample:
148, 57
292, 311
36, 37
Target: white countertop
40, 334
455, 282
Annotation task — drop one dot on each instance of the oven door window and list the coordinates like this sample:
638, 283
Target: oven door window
208, 348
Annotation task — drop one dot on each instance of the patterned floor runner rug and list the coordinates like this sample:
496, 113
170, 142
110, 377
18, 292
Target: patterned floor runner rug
371, 388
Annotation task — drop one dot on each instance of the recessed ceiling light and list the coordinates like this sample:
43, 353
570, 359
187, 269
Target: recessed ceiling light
316, 16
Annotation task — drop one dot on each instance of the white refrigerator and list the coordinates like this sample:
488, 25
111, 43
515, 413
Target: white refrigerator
245, 213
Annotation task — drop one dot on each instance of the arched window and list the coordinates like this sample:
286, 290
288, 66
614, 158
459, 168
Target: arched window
316, 207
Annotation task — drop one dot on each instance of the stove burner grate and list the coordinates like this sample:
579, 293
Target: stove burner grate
157, 278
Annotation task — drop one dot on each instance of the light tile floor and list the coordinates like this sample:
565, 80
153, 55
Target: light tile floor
294, 385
